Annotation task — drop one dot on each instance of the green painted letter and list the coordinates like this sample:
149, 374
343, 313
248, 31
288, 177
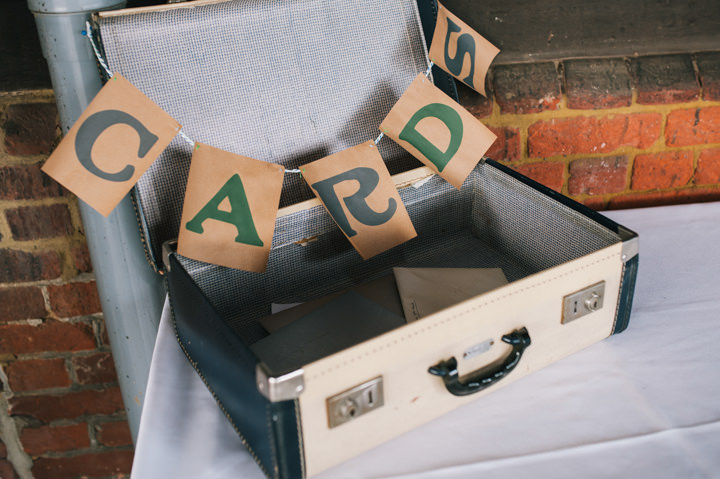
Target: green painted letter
239, 215
355, 203
91, 129
465, 45
452, 120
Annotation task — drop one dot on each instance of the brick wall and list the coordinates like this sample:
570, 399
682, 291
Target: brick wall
611, 133
61, 412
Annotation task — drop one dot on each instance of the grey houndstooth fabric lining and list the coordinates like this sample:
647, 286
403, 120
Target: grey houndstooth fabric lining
283, 81
494, 221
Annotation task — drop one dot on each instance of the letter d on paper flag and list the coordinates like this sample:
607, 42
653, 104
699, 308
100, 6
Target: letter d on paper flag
111, 145
461, 51
231, 203
358, 192
437, 131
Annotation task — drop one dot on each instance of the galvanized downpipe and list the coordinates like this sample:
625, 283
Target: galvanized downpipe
132, 294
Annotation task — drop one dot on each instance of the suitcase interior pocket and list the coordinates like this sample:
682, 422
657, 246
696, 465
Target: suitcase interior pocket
494, 221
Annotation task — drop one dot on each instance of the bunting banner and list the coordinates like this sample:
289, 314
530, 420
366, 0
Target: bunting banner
231, 201
357, 190
231, 204
461, 51
437, 131
111, 145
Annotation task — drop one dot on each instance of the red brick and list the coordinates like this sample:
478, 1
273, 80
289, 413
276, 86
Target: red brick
709, 72
571, 136
74, 299
665, 79
695, 126
549, 174
507, 145
30, 128
81, 258
114, 434
20, 266
27, 183
669, 169
527, 87
660, 198
87, 466
708, 169
32, 374
473, 101
36, 222
596, 203
94, 369
597, 83
21, 303
7, 471
48, 336
70, 405
597, 176
39, 440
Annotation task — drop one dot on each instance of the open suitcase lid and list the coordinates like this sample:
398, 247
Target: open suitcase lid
286, 82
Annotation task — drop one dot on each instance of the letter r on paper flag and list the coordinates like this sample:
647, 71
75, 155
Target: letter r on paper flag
111, 145
461, 51
356, 189
231, 203
437, 131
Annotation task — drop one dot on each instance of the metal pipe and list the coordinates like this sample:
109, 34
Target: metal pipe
132, 294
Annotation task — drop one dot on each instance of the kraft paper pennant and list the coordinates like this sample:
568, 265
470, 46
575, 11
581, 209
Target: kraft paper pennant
111, 145
231, 203
358, 192
437, 131
461, 51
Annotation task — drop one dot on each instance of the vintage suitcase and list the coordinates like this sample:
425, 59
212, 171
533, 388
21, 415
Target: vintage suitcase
291, 81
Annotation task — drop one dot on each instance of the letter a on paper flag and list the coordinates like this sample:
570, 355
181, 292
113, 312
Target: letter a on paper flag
231, 203
437, 131
358, 192
111, 145
461, 51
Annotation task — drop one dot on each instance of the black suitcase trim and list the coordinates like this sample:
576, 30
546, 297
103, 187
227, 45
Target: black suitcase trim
227, 367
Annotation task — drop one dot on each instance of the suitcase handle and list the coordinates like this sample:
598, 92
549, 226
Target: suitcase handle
487, 376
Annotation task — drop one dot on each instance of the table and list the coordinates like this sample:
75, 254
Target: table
644, 403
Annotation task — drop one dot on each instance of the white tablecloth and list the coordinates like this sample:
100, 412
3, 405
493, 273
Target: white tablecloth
644, 403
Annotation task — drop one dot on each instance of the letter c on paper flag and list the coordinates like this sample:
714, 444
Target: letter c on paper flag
94, 126
452, 120
368, 179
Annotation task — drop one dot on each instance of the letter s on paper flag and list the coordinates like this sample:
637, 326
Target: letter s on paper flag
437, 131
358, 192
231, 203
461, 51
111, 145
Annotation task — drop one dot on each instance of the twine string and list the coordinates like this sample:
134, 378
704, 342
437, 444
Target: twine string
88, 32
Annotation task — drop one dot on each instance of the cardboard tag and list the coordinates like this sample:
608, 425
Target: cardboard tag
461, 51
437, 131
111, 145
358, 192
231, 203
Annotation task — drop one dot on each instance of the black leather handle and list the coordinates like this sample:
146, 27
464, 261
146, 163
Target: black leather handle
487, 376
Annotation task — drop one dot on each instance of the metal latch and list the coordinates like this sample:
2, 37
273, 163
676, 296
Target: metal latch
355, 402
583, 302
